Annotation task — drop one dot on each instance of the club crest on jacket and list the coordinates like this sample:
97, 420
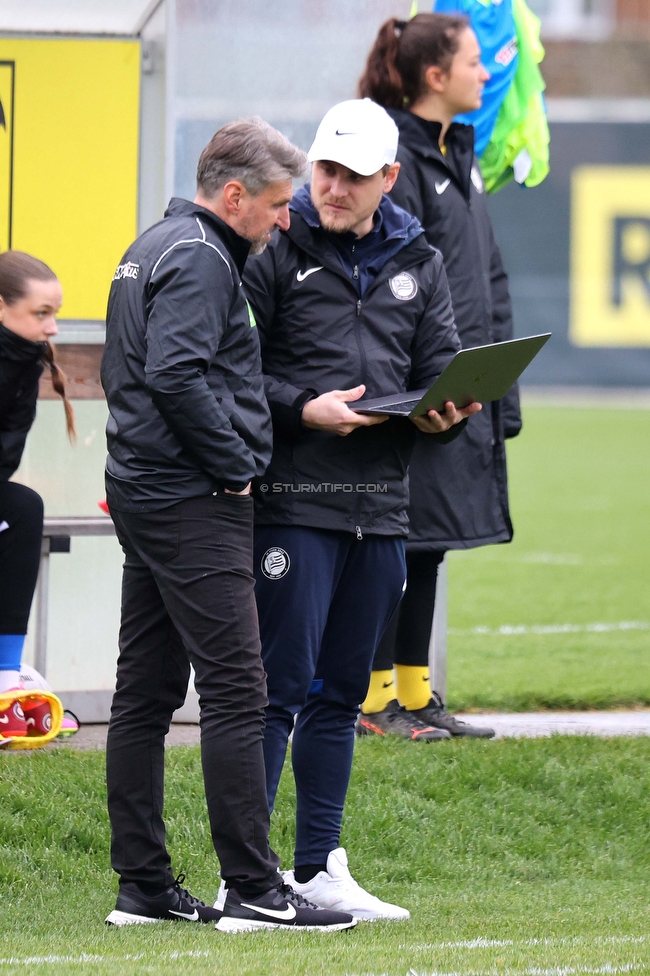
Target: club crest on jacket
404, 286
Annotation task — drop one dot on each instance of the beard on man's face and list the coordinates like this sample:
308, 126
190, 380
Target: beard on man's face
336, 223
259, 246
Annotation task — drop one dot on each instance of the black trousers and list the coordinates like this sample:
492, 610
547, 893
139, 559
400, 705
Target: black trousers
21, 527
406, 639
188, 597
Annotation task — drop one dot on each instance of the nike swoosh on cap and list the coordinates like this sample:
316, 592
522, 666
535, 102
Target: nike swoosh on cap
194, 917
301, 275
441, 187
346, 133
288, 913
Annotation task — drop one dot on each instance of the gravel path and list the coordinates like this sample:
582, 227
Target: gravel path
519, 724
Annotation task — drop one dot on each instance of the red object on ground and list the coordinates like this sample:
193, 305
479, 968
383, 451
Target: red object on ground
38, 717
12, 721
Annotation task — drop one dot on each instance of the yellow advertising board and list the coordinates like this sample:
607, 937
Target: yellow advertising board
7, 76
69, 160
610, 256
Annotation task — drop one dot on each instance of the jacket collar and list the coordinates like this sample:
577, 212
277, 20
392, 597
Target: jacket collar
317, 242
238, 247
422, 137
390, 222
14, 347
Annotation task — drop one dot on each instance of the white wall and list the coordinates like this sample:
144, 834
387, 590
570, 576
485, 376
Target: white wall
85, 583
582, 20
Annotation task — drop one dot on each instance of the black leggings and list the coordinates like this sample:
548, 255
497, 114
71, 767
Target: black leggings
406, 639
21, 525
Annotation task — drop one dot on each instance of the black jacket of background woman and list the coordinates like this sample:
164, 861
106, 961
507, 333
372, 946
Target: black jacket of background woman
459, 493
21, 365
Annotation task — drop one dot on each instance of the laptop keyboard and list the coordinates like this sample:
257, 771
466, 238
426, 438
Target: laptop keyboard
407, 405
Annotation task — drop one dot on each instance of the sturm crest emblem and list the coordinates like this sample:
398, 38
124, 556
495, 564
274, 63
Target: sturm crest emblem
404, 286
275, 563
477, 179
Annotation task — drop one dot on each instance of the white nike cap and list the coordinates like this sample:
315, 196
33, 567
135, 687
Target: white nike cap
358, 134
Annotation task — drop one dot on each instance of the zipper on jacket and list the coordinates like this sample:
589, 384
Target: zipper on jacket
359, 533
362, 352
355, 270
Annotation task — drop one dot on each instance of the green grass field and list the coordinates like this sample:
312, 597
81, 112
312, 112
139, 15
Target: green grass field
580, 500
523, 858
527, 858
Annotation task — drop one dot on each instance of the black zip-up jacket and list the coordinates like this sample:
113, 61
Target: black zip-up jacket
318, 335
181, 367
459, 495
21, 365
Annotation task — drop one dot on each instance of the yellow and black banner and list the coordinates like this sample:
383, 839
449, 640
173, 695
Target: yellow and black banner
69, 129
610, 256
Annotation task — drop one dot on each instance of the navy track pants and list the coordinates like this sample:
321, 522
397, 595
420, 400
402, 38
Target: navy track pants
324, 599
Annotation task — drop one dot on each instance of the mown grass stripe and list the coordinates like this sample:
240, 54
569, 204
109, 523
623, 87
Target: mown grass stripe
87, 958
484, 943
480, 943
518, 630
606, 970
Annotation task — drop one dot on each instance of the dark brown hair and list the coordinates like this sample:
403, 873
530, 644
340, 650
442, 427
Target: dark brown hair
403, 51
16, 271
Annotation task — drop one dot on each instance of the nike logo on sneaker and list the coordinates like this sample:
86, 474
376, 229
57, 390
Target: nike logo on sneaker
441, 187
287, 914
194, 917
305, 274
346, 133
387, 684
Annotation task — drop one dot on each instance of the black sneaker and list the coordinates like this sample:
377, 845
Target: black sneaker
395, 720
437, 715
134, 908
279, 908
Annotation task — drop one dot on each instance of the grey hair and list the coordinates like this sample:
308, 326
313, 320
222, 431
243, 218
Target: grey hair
252, 152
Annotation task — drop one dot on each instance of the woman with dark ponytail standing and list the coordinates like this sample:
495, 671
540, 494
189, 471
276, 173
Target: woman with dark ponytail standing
424, 72
30, 297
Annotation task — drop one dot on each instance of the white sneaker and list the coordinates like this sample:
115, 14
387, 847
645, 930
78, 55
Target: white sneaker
221, 896
338, 890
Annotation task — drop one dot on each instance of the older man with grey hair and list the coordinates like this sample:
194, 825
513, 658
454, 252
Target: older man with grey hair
189, 428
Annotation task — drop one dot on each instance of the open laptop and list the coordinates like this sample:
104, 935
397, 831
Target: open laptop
480, 374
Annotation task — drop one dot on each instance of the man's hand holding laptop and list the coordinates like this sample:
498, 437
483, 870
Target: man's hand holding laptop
329, 411
434, 422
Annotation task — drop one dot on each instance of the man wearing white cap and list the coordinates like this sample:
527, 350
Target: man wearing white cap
350, 300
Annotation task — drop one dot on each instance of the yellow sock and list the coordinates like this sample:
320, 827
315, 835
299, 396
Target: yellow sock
413, 688
380, 692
